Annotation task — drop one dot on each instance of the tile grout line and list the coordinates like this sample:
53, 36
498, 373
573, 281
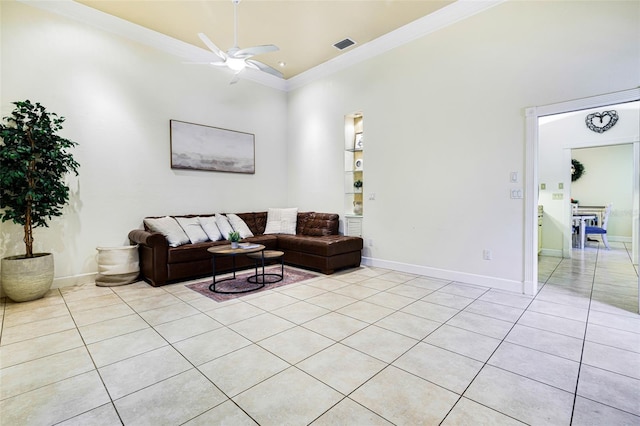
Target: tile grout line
584, 338
485, 363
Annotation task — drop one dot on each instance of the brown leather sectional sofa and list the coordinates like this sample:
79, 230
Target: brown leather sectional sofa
316, 246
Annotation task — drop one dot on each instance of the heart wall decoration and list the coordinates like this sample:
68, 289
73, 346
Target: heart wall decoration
600, 122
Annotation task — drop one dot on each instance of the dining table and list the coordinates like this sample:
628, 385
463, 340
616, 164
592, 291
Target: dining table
582, 218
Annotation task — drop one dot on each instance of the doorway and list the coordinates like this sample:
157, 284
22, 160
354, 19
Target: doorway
530, 280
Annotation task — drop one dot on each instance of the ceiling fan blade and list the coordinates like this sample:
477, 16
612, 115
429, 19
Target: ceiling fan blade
263, 67
212, 46
256, 50
236, 77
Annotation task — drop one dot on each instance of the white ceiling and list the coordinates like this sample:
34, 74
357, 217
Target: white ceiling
305, 30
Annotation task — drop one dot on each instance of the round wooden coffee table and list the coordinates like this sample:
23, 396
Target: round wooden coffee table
226, 250
260, 259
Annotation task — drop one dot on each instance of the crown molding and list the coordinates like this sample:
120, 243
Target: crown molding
442, 18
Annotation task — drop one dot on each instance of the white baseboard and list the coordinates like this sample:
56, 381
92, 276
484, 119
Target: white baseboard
461, 277
619, 239
74, 280
551, 252
69, 281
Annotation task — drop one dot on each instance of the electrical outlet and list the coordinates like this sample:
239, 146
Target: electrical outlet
516, 193
486, 254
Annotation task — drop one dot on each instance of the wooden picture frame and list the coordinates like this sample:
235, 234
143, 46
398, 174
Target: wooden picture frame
200, 147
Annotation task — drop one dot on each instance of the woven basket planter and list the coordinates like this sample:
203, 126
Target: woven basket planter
117, 265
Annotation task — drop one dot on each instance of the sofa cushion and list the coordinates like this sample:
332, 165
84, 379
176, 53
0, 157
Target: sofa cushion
239, 225
256, 221
328, 245
168, 227
194, 252
191, 227
281, 221
208, 224
320, 224
223, 225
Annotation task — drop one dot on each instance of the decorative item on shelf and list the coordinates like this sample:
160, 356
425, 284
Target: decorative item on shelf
357, 207
358, 141
358, 163
358, 186
577, 170
34, 161
600, 122
234, 237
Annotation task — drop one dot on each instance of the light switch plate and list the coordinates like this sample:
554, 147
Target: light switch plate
558, 195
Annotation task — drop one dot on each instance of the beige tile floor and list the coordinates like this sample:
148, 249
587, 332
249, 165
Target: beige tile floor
362, 347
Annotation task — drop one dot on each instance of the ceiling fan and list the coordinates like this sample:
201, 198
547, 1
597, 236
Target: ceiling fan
238, 59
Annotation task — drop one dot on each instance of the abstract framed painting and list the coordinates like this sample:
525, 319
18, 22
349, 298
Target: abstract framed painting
200, 147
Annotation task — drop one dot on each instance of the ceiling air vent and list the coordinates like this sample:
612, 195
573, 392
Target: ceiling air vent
341, 45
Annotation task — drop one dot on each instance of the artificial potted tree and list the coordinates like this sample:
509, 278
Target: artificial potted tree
34, 161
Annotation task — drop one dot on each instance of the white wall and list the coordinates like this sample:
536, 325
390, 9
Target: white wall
444, 124
608, 178
559, 135
118, 97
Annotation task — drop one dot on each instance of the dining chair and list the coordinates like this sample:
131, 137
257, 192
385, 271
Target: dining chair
600, 230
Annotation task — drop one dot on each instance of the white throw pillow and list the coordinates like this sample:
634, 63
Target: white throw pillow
170, 228
223, 225
192, 228
282, 221
239, 225
208, 223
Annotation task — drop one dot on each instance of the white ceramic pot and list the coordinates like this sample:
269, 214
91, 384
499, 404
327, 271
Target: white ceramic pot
25, 279
357, 207
117, 265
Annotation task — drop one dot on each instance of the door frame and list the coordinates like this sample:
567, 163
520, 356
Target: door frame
530, 279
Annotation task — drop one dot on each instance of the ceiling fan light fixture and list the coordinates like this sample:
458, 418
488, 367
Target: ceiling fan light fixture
237, 59
236, 64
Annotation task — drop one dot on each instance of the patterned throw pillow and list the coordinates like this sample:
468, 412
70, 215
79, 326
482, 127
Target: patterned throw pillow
282, 221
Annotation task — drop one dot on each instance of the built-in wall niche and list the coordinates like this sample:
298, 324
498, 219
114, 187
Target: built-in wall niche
354, 183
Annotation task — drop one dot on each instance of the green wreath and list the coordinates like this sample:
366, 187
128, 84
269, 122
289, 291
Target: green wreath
577, 170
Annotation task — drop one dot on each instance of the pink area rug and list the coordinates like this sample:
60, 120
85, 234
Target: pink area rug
291, 276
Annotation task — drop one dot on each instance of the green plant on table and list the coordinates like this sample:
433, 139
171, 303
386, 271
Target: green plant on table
234, 236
